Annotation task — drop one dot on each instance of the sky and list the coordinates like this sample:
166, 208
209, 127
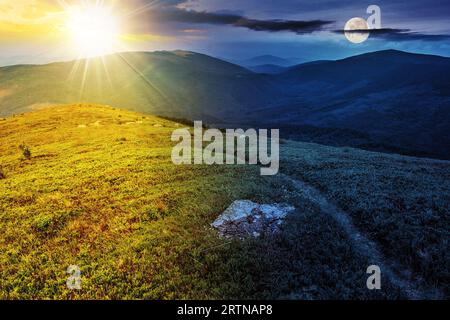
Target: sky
38, 31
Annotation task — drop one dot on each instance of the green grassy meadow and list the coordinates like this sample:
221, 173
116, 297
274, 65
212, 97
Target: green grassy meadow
99, 190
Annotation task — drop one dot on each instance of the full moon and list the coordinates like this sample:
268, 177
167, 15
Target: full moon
356, 24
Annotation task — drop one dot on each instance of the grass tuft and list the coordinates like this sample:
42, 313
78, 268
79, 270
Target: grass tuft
26, 152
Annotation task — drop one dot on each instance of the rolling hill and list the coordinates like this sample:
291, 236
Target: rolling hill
181, 84
94, 186
99, 190
267, 69
397, 99
388, 101
268, 59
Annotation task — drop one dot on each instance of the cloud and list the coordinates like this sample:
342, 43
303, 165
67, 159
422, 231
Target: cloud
318, 17
398, 35
296, 26
236, 20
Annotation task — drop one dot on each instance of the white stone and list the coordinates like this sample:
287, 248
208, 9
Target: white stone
244, 218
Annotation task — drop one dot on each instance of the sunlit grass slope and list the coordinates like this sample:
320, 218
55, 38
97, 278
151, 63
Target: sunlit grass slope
95, 178
99, 191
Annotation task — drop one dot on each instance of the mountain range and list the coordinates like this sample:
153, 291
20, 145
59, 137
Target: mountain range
387, 100
268, 60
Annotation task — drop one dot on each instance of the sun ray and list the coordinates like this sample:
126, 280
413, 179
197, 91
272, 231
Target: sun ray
74, 70
83, 81
146, 80
143, 8
105, 69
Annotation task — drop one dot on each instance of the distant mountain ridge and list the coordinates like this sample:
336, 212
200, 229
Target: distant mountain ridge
398, 98
268, 69
386, 100
179, 83
268, 60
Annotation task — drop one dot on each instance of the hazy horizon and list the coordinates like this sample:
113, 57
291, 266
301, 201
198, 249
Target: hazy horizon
230, 60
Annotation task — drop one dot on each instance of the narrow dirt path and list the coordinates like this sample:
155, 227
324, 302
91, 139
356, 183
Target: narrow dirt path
361, 243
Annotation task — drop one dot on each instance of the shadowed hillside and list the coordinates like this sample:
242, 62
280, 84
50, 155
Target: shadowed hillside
385, 101
182, 84
401, 101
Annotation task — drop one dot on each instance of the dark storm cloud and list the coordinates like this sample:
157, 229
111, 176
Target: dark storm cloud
340, 9
316, 15
283, 25
198, 17
400, 35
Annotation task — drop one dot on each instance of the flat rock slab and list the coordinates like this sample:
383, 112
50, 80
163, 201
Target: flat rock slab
245, 218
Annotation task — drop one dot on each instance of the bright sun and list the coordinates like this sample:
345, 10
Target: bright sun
94, 30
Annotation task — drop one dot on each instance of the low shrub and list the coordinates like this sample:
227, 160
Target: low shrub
42, 223
26, 152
